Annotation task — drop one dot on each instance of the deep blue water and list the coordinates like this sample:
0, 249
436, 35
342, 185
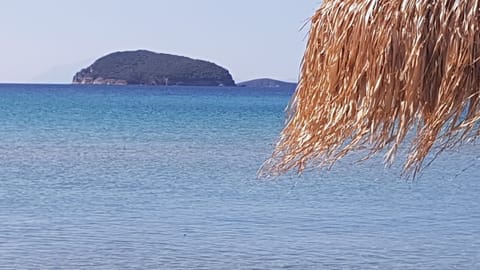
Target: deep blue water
96, 177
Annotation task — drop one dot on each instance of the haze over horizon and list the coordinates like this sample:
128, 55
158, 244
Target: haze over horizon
48, 41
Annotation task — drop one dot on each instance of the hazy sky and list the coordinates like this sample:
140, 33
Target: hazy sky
48, 40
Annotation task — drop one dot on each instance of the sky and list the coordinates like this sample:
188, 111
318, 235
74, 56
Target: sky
48, 41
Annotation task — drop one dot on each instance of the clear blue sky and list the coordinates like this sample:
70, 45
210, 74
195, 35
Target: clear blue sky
48, 40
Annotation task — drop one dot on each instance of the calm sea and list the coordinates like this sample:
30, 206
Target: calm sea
97, 177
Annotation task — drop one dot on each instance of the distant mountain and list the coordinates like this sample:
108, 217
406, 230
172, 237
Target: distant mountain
59, 74
267, 83
150, 68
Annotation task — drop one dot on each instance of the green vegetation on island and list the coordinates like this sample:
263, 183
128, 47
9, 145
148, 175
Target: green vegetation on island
143, 67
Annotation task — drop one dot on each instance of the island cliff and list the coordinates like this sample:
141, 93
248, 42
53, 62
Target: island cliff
148, 68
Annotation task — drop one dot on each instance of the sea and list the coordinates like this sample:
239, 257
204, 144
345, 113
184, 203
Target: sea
137, 177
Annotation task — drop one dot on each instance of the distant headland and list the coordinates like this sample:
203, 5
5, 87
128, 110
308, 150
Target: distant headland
267, 83
144, 67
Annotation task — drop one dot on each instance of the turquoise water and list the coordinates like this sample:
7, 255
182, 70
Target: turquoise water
164, 178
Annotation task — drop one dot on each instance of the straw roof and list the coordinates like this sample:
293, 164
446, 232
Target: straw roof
377, 70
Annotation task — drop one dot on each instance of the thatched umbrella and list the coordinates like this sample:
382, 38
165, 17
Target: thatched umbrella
377, 70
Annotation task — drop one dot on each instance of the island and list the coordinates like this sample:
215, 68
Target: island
144, 67
267, 83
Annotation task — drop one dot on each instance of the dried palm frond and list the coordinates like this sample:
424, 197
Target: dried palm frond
375, 70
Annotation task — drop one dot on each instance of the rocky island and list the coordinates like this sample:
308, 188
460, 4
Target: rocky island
149, 68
